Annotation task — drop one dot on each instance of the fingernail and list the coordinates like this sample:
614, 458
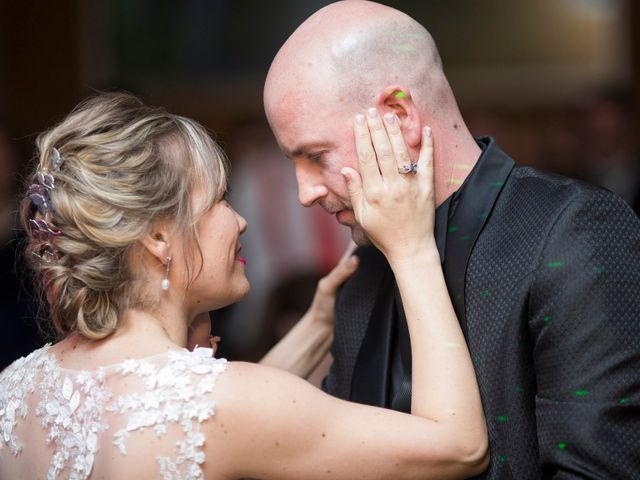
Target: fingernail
427, 131
390, 118
360, 119
345, 173
372, 112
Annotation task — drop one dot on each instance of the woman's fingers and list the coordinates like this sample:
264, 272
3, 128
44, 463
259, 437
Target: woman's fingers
382, 146
199, 331
328, 285
213, 341
400, 151
425, 159
324, 299
382, 152
354, 188
348, 251
367, 162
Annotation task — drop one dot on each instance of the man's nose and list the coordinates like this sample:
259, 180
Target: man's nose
310, 187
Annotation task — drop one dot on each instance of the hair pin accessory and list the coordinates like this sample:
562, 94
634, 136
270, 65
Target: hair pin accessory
56, 160
41, 228
47, 255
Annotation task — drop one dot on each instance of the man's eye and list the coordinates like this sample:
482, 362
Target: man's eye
316, 157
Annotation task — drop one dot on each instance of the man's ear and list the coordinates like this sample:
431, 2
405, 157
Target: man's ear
397, 99
156, 242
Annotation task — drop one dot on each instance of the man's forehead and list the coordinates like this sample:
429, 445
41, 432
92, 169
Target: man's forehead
307, 128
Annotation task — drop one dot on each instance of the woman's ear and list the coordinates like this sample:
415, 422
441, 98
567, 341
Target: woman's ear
156, 242
397, 99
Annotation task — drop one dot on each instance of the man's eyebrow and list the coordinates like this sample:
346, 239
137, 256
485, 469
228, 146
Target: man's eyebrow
306, 148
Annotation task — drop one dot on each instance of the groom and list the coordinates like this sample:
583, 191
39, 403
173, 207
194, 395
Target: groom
543, 271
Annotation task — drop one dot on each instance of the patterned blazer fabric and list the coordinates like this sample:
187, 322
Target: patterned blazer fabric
552, 303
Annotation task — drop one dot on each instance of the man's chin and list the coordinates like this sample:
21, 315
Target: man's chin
359, 236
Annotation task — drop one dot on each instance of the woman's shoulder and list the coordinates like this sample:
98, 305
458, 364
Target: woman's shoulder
199, 361
22, 365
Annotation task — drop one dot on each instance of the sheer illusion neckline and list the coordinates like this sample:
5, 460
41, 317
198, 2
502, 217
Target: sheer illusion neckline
53, 358
102, 411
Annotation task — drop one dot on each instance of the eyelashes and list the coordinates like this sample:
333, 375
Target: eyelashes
316, 157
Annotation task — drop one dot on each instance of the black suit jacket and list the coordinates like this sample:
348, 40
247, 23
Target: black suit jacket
544, 274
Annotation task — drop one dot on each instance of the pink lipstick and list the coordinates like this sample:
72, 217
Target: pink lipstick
238, 257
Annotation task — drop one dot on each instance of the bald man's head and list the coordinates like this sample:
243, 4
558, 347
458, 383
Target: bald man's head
347, 57
355, 49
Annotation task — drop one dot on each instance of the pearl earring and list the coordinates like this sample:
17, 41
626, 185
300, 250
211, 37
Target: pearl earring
165, 281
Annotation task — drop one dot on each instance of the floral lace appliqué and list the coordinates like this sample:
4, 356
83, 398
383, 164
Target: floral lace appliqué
174, 393
71, 409
17, 382
71, 405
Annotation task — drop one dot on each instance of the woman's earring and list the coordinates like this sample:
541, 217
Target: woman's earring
165, 281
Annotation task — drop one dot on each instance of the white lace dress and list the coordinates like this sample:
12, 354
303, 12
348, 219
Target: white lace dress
136, 419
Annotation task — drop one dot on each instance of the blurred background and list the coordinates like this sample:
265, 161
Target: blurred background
556, 82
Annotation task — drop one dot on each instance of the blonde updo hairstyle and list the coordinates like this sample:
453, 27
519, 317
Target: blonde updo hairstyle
124, 166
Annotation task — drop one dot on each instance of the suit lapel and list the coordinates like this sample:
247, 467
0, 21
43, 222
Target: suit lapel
370, 380
473, 205
354, 306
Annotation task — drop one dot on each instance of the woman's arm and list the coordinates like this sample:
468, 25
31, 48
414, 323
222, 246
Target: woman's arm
283, 428
307, 343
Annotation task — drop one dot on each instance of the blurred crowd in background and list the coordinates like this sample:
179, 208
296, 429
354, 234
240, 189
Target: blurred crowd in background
556, 82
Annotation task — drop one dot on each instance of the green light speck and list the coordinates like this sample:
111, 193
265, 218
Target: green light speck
503, 458
546, 318
554, 264
484, 293
502, 418
598, 269
623, 401
452, 229
562, 445
581, 393
465, 237
401, 95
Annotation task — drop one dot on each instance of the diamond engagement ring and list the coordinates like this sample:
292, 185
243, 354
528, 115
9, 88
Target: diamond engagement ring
409, 168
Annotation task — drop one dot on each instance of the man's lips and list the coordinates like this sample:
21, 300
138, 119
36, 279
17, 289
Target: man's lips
344, 217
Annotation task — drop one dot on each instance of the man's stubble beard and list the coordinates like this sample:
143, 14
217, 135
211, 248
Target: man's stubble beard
359, 236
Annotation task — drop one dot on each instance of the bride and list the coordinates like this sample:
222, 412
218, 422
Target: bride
132, 241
